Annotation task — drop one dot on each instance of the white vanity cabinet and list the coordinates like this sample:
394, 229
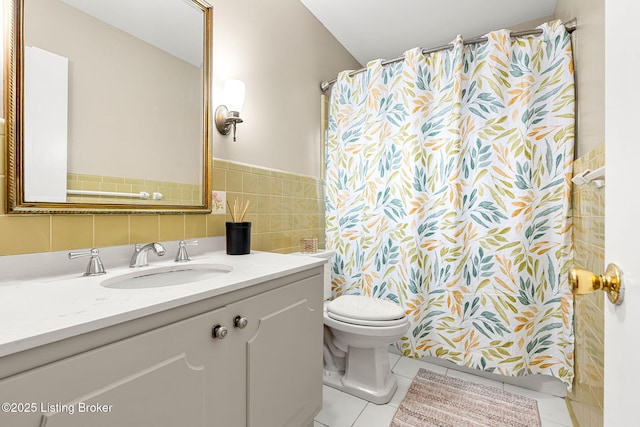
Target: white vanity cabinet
267, 373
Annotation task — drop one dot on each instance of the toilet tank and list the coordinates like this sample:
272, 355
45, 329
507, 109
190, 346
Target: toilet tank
328, 255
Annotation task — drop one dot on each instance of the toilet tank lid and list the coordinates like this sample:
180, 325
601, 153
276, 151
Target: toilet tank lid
365, 308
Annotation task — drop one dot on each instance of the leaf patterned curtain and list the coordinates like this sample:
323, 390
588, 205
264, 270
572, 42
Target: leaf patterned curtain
448, 191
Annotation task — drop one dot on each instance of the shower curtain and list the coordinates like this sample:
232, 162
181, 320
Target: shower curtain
447, 191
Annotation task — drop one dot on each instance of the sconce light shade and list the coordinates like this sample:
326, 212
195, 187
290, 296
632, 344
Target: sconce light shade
228, 114
234, 94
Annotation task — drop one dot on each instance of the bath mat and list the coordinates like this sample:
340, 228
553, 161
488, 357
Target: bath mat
438, 400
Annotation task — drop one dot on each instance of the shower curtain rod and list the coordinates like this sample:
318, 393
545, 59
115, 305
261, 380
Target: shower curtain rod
569, 25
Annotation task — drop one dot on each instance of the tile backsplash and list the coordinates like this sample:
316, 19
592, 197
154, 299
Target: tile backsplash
586, 400
284, 208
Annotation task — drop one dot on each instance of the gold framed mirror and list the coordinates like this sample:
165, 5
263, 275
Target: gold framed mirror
107, 106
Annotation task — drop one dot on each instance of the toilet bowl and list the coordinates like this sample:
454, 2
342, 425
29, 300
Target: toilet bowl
357, 332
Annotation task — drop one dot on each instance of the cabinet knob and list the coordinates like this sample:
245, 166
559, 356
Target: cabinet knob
219, 332
240, 322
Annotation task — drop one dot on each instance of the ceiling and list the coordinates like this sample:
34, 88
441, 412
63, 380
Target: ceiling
384, 29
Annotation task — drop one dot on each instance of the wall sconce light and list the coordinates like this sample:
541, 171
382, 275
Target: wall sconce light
228, 114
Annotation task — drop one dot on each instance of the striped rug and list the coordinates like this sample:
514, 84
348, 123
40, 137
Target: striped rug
438, 400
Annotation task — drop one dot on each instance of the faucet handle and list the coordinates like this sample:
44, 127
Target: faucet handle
95, 267
182, 255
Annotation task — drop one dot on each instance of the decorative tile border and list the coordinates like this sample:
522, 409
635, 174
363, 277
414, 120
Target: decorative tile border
219, 202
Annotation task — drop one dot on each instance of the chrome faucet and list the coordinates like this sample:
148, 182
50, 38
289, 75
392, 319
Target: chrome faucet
139, 257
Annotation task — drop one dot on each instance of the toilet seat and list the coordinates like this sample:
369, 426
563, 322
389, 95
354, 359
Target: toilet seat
361, 322
365, 311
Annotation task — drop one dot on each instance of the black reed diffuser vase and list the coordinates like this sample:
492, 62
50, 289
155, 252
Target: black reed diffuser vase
238, 238
238, 230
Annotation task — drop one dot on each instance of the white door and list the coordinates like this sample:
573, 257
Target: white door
622, 210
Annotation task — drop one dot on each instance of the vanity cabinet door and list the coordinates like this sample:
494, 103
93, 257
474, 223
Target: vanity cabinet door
176, 375
283, 347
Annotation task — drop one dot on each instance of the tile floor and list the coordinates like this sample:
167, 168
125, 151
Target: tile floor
343, 410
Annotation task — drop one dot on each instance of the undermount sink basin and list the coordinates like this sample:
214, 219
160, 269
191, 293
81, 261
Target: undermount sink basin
172, 275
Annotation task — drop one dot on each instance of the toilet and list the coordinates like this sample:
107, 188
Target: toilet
357, 333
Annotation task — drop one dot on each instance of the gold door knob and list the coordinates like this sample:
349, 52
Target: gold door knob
584, 282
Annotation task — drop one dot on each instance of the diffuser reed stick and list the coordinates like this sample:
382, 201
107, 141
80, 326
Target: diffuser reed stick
244, 211
235, 212
230, 212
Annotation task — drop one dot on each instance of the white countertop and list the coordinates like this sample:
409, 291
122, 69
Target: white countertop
35, 312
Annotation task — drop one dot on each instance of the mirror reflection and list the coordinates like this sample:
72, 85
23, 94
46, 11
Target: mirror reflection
114, 103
